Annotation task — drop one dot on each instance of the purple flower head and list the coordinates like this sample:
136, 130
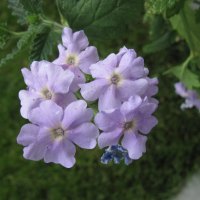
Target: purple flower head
130, 123
55, 132
191, 97
45, 81
76, 55
116, 79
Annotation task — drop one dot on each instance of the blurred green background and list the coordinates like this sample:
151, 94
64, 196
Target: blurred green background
172, 149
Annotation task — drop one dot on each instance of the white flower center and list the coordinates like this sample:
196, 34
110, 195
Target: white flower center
57, 133
129, 125
46, 94
115, 79
72, 60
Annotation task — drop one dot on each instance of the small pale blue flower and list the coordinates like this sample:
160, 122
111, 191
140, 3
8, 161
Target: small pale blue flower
116, 153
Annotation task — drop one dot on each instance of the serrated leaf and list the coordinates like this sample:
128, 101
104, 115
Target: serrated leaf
101, 18
32, 6
21, 45
18, 11
24, 9
159, 6
44, 42
190, 79
160, 43
4, 35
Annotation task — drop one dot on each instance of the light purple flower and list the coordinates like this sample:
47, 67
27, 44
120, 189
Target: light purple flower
45, 81
76, 55
56, 131
129, 124
116, 79
191, 97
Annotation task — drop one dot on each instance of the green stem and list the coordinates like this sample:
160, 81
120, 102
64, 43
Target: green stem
62, 19
17, 34
48, 22
186, 25
185, 64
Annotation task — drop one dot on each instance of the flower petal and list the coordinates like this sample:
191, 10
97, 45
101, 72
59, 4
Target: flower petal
109, 100
88, 57
28, 77
79, 78
135, 144
84, 135
108, 120
36, 151
128, 107
28, 134
146, 124
67, 36
29, 101
128, 88
105, 68
64, 100
59, 80
80, 39
61, 152
48, 114
92, 90
76, 113
109, 138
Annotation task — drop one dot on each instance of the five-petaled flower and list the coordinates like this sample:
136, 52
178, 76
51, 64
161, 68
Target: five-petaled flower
45, 81
131, 122
116, 79
76, 55
55, 131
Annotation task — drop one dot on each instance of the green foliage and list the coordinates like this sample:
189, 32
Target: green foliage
4, 35
24, 9
190, 79
101, 19
44, 42
187, 27
20, 46
159, 6
18, 10
160, 43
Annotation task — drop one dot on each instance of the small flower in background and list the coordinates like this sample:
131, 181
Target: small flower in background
45, 81
116, 153
191, 97
130, 124
116, 79
76, 55
55, 131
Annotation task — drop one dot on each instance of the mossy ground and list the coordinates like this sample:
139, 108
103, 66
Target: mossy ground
172, 151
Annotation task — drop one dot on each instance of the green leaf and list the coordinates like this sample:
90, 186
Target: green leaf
25, 10
21, 45
161, 43
44, 42
190, 79
18, 10
159, 6
32, 6
101, 19
187, 27
4, 35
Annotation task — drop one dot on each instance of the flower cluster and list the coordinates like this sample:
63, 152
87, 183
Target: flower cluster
191, 97
120, 88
